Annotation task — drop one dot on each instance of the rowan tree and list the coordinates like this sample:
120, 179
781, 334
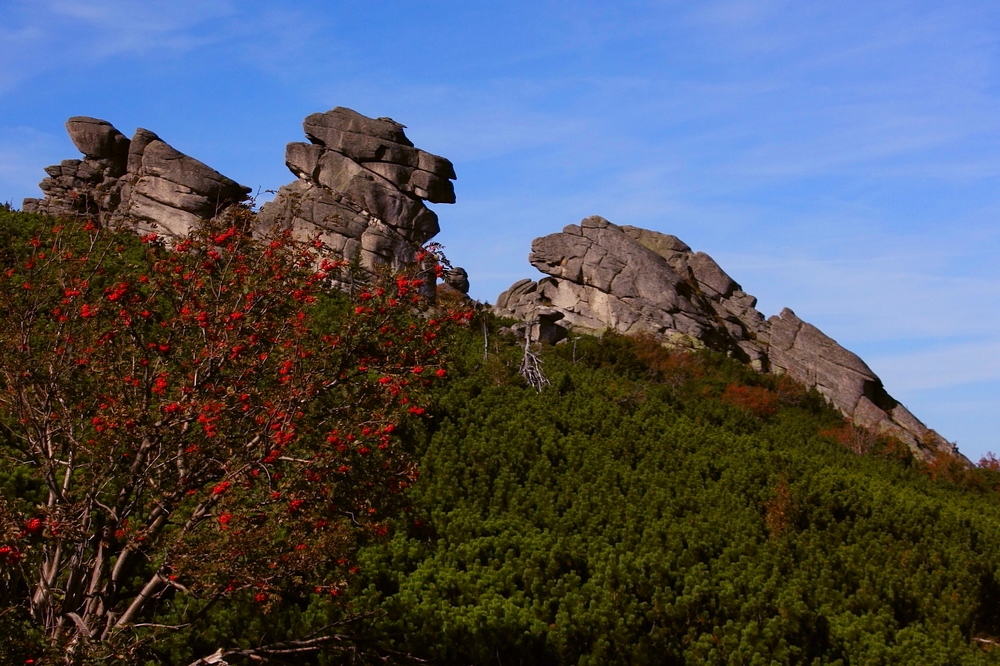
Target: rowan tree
204, 419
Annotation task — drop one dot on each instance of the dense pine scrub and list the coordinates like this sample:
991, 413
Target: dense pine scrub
657, 508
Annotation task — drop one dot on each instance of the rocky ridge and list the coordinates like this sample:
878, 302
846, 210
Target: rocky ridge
361, 187
603, 276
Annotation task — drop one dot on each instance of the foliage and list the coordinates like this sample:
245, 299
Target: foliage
192, 426
647, 506
668, 508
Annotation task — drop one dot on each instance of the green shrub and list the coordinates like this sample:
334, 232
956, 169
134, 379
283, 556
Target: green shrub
635, 513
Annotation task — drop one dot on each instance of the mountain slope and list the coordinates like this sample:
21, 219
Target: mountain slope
680, 508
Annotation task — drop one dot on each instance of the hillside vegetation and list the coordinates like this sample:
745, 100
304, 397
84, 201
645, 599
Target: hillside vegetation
657, 508
647, 507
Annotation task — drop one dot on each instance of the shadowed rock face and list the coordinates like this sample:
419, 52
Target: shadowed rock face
361, 186
144, 182
630, 280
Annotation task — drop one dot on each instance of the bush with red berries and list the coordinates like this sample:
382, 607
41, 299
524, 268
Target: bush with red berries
204, 419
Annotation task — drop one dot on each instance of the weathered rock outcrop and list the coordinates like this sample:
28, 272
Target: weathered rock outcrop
361, 186
631, 280
144, 182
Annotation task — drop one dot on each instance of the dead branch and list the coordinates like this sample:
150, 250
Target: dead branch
531, 364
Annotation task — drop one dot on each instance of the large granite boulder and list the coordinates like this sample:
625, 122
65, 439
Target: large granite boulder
601, 276
144, 183
637, 281
99, 140
361, 188
167, 191
89, 187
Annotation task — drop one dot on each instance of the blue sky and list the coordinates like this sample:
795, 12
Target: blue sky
839, 158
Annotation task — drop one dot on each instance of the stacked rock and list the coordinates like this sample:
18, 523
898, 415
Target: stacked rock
637, 281
88, 187
361, 187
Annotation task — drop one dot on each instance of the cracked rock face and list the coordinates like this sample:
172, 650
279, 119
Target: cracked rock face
361, 186
630, 280
142, 182
637, 281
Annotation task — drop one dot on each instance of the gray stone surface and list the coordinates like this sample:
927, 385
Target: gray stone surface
601, 276
99, 140
806, 354
144, 182
458, 279
361, 187
635, 281
167, 191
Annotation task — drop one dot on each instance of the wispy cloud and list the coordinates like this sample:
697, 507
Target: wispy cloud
42, 35
873, 298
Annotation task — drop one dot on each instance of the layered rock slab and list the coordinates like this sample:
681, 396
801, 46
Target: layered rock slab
143, 182
361, 188
809, 356
630, 280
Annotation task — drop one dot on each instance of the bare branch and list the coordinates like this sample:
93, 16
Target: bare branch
531, 364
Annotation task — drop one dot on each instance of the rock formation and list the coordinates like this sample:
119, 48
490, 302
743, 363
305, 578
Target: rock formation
457, 279
362, 186
143, 183
631, 280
